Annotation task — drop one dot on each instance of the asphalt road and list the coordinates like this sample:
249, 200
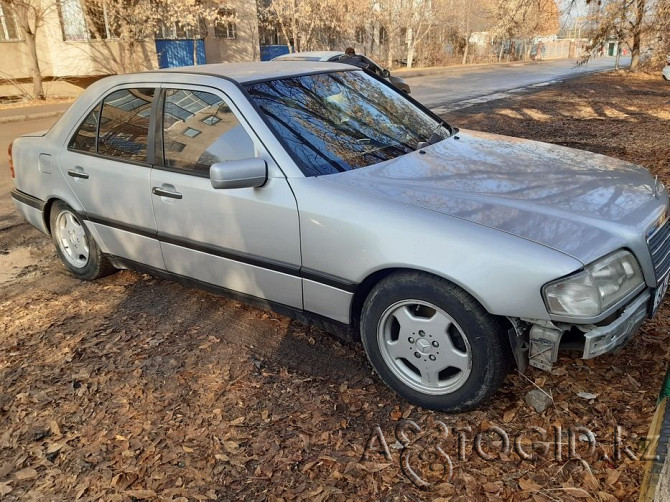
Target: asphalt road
435, 88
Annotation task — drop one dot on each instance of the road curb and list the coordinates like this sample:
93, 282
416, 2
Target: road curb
420, 72
30, 116
655, 485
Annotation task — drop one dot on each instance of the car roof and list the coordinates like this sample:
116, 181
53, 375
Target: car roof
250, 72
309, 55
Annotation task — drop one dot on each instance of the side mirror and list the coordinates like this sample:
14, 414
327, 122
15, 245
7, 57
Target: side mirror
386, 73
248, 173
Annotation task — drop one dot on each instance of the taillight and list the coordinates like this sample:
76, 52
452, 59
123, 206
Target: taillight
11, 163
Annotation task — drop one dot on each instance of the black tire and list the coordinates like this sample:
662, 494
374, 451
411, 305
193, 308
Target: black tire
490, 357
83, 258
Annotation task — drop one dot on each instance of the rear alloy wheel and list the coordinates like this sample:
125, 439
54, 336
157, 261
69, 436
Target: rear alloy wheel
75, 246
432, 343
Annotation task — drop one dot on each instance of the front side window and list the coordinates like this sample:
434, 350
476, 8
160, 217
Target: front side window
124, 124
199, 129
338, 121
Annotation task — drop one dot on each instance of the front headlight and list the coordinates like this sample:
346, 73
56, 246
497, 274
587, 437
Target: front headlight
596, 288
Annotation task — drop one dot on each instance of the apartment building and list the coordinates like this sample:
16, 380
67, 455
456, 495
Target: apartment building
75, 48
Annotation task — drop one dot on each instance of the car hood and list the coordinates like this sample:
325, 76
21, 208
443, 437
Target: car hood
580, 203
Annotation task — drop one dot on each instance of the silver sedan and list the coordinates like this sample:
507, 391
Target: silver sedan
321, 191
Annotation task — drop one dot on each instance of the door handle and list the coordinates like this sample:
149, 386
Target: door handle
162, 192
77, 173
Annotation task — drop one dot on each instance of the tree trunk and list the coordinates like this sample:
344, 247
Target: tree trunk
195, 51
468, 34
389, 38
410, 48
637, 35
38, 89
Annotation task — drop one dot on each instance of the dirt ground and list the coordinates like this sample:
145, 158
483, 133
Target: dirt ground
135, 388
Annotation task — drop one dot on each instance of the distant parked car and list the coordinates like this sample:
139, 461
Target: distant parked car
320, 191
339, 56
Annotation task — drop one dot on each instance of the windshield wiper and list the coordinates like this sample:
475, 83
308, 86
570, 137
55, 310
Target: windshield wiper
435, 137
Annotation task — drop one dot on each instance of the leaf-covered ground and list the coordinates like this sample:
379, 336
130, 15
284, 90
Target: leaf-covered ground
134, 388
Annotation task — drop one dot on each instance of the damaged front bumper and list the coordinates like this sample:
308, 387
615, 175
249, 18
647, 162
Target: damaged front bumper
536, 342
603, 339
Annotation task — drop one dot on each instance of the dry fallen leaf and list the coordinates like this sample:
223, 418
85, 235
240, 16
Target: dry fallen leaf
27, 473
55, 430
613, 476
529, 485
5, 488
141, 494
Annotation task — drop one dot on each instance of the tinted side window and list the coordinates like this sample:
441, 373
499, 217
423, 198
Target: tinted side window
124, 124
199, 130
84, 139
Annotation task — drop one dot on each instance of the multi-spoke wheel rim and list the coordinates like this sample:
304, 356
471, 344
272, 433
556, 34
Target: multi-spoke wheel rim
72, 240
424, 347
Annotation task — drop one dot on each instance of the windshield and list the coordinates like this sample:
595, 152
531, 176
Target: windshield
334, 122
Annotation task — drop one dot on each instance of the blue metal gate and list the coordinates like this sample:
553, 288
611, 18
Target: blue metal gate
172, 53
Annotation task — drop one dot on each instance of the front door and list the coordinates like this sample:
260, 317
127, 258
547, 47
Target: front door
106, 166
245, 240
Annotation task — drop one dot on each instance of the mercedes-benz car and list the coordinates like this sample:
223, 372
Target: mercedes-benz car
321, 191
340, 57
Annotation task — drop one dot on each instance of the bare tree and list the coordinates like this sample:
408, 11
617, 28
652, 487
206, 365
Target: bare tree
30, 16
628, 21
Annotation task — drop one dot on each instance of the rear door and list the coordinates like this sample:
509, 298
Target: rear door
108, 168
246, 239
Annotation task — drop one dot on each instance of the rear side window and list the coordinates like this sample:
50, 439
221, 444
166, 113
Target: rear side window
124, 124
84, 139
199, 129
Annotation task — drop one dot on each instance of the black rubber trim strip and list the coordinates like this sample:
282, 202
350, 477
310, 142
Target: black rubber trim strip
328, 280
28, 200
249, 259
120, 226
341, 329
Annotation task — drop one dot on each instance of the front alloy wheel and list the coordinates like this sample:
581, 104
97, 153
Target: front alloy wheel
424, 347
432, 343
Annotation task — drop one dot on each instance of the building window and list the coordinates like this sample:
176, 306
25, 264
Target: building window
211, 120
180, 31
191, 133
225, 26
9, 30
360, 35
83, 22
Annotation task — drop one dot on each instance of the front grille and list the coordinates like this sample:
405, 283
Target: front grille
659, 247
